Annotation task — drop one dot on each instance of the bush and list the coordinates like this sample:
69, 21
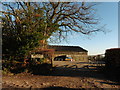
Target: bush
35, 66
44, 68
12, 66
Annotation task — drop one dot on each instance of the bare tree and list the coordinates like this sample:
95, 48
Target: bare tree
72, 16
48, 19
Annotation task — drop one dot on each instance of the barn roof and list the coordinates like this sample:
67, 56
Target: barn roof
67, 48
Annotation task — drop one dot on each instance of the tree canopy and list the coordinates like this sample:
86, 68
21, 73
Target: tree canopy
72, 17
25, 24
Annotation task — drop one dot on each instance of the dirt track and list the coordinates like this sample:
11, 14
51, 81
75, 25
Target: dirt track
65, 76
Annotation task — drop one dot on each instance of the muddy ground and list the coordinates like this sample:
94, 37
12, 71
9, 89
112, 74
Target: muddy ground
66, 75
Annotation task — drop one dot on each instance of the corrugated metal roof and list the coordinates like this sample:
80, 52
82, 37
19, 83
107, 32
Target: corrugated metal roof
67, 48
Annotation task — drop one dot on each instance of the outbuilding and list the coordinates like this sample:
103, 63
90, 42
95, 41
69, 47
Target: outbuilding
77, 53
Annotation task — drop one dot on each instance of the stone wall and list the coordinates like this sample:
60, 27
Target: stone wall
112, 59
77, 56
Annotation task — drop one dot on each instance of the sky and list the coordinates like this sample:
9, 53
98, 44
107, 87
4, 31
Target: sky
98, 43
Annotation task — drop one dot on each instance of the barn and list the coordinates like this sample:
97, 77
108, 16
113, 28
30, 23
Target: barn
77, 53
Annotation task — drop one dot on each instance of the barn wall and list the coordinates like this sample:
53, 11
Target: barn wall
77, 56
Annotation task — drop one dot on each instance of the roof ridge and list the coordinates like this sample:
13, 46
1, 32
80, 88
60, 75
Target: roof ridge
63, 45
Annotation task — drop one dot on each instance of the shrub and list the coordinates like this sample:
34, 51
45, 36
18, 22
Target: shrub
12, 66
44, 68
